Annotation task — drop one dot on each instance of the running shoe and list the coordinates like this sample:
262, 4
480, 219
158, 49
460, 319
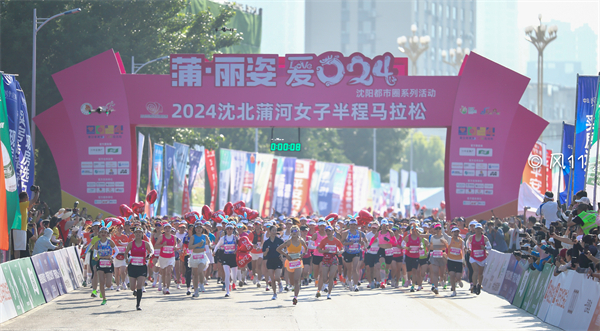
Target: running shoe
143, 289
167, 291
435, 290
294, 301
453, 293
112, 288
188, 292
472, 288
233, 286
94, 294
267, 288
223, 287
227, 295
329, 296
419, 288
119, 288
478, 289
179, 286
138, 308
382, 285
195, 295
254, 280
412, 288
134, 294
160, 287
274, 297
460, 283
258, 284
202, 287
355, 288
286, 288
103, 302
84, 284
318, 294
280, 288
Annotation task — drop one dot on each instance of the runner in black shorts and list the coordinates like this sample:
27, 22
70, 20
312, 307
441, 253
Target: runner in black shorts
274, 263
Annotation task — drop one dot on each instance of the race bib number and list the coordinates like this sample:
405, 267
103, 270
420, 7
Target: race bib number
330, 248
198, 256
478, 253
397, 250
422, 252
229, 248
455, 250
354, 247
122, 249
437, 254
104, 263
311, 245
167, 249
295, 264
138, 260
389, 251
414, 249
373, 250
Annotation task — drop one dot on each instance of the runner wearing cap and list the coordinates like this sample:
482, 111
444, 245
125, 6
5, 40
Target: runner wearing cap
137, 269
467, 253
372, 256
438, 246
455, 260
258, 266
273, 259
386, 240
228, 258
90, 252
352, 240
412, 244
398, 265
121, 240
166, 259
179, 267
307, 257
317, 255
330, 247
293, 253
198, 260
478, 245
156, 233
104, 248
218, 254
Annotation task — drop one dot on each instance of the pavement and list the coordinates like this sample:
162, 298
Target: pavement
250, 308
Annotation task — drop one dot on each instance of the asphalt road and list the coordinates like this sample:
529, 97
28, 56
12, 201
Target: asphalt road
252, 308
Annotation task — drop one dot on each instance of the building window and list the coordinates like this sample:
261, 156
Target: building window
432, 53
440, 31
453, 13
432, 8
433, 31
447, 11
470, 15
453, 32
462, 14
366, 27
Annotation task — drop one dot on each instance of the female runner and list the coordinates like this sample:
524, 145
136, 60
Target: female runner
121, 240
156, 234
438, 245
198, 260
352, 240
478, 244
166, 259
104, 248
330, 247
412, 243
293, 253
317, 255
137, 269
229, 244
398, 265
455, 260
386, 240
256, 237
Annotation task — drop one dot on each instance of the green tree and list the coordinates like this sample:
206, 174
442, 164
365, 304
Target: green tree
428, 159
146, 29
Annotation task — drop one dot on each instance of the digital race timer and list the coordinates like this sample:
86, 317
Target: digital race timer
291, 147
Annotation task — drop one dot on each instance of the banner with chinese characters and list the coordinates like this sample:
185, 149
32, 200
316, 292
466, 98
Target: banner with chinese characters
180, 161
339, 184
196, 178
238, 170
301, 186
480, 108
279, 185
169, 156
535, 169
289, 169
249, 178
361, 188
264, 163
326, 189
314, 186
587, 91
267, 207
157, 175
211, 172
348, 196
225, 161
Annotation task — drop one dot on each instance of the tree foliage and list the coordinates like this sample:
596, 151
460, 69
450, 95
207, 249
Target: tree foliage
428, 159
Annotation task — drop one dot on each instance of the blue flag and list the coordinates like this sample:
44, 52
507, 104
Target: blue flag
289, 170
157, 174
326, 189
567, 152
587, 89
169, 155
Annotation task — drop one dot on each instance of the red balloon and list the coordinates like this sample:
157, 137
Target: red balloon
252, 215
243, 259
369, 209
125, 210
332, 215
228, 209
190, 217
243, 210
113, 220
365, 217
138, 207
417, 205
244, 245
239, 205
434, 211
443, 204
216, 216
151, 196
423, 207
122, 219
206, 212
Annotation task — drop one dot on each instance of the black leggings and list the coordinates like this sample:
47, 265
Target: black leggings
188, 271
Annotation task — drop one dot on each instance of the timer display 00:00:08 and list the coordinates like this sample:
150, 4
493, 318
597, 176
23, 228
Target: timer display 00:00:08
291, 147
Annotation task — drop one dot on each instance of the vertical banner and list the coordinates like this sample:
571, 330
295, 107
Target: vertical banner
555, 298
52, 264
307, 208
20, 136
567, 152
360, 187
326, 189
185, 199
157, 175
587, 91
268, 199
548, 170
403, 185
534, 173
140, 153
278, 185
511, 279
211, 172
248, 185
12, 195
196, 179
238, 169
23, 284
4, 226
301, 188
413, 193
314, 186
45, 283
179, 172
148, 207
394, 180
7, 305
16, 289
339, 184
347, 197
264, 163
289, 170
224, 173
376, 189
169, 156
67, 278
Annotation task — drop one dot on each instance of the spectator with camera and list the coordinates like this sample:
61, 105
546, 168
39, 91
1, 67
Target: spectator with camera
549, 210
496, 237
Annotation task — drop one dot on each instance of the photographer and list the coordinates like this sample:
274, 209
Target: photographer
585, 216
515, 234
19, 236
496, 237
549, 210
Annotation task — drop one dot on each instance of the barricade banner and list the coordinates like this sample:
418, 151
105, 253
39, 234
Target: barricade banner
73, 253
497, 272
523, 287
64, 255
58, 279
514, 271
555, 298
491, 266
581, 303
30, 281
537, 288
64, 271
595, 323
46, 283
17, 286
7, 306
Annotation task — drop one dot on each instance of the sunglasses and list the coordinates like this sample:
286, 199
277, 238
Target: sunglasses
294, 231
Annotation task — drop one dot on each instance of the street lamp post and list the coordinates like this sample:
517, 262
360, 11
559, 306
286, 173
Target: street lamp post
457, 55
537, 36
38, 23
135, 67
416, 46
